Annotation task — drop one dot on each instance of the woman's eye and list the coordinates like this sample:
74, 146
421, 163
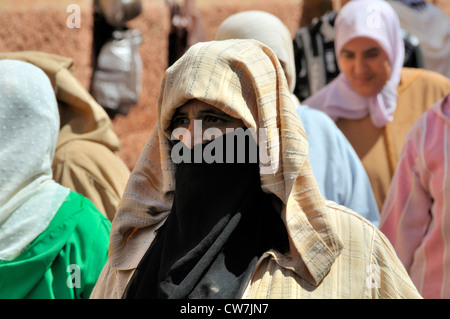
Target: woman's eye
347, 55
212, 119
372, 55
180, 121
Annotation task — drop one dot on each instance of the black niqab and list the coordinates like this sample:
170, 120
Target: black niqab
220, 224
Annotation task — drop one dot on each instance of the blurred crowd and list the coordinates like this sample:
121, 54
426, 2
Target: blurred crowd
346, 196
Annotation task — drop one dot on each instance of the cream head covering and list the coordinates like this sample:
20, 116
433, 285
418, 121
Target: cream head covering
29, 126
244, 79
266, 28
374, 19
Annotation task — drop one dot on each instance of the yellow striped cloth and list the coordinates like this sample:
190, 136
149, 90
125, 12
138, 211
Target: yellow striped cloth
334, 253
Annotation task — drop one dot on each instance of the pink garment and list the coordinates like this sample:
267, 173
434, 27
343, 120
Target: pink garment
416, 213
374, 19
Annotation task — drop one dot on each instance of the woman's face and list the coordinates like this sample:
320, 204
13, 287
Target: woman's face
365, 65
196, 120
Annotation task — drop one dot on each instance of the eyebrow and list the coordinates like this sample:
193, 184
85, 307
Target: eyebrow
202, 112
213, 112
370, 50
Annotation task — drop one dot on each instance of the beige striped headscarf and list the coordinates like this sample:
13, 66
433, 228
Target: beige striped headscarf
244, 79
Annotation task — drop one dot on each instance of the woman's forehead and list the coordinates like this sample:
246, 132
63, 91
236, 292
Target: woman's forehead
196, 106
361, 44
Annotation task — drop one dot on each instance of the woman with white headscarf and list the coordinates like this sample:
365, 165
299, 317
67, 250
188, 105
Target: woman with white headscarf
374, 100
53, 242
85, 158
245, 229
337, 169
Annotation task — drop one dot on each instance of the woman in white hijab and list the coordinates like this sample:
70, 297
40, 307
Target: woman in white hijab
44, 227
250, 229
375, 100
337, 169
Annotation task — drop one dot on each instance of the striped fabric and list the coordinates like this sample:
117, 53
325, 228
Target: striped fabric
415, 216
244, 79
367, 268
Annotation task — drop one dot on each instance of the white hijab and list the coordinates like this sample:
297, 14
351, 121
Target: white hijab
374, 19
29, 126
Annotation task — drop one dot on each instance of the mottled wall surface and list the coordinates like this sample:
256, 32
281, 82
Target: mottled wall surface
45, 29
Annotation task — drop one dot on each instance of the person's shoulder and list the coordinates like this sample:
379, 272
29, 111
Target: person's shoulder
410, 75
436, 76
315, 100
341, 214
353, 227
315, 117
365, 241
92, 227
75, 147
305, 110
86, 209
89, 155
